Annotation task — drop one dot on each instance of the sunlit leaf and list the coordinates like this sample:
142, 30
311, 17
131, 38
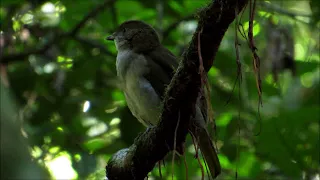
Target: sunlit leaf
94, 144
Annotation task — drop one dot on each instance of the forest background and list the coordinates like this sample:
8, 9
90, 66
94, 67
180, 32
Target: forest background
61, 106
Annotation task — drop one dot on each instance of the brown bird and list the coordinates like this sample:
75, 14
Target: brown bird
145, 68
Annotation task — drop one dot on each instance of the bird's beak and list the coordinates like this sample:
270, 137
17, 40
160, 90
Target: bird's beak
111, 37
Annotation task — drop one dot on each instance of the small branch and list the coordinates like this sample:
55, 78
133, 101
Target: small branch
94, 12
94, 44
23, 55
114, 15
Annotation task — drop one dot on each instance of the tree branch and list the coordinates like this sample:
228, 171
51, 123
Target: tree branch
23, 55
150, 147
94, 44
114, 14
94, 12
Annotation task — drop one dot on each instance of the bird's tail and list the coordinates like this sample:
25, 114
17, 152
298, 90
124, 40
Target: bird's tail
208, 151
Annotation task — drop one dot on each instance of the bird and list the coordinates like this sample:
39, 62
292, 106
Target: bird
145, 68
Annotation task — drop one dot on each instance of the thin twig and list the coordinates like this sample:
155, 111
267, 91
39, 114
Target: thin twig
236, 45
186, 165
94, 12
114, 15
93, 44
160, 174
23, 55
175, 144
204, 82
197, 147
239, 74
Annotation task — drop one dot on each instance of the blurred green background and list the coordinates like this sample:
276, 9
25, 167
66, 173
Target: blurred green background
63, 115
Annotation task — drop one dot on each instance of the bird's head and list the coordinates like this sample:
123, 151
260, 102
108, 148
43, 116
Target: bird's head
135, 35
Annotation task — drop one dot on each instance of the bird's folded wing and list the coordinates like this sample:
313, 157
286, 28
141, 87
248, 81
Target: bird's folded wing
162, 64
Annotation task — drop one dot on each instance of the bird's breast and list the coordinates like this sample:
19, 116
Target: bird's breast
141, 98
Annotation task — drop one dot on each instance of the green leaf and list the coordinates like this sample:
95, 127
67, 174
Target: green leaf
248, 165
94, 144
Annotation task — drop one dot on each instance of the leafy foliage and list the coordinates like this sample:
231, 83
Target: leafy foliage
64, 83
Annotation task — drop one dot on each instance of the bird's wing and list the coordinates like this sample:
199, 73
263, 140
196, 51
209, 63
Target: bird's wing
162, 64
